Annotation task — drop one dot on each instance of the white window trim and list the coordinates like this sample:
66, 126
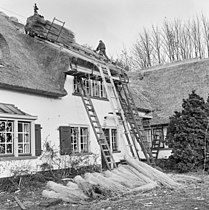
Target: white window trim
117, 136
95, 86
30, 120
83, 126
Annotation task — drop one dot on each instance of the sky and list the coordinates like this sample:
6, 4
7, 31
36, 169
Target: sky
116, 22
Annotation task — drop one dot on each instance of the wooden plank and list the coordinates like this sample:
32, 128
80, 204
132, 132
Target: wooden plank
50, 202
19, 203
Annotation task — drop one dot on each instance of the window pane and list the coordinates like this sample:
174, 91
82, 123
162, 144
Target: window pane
20, 137
9, 148
26, 127
20, 148
74, 139
2, 126
114, 140
9, 137
2, 137
9, 126
86, 84
27, 138
107, 135
84, 139
23, 137
6, 137
75, 85
2, 148
20, 129
27, 148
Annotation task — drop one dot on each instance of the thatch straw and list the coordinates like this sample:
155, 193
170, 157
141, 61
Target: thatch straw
152, 173
166, 86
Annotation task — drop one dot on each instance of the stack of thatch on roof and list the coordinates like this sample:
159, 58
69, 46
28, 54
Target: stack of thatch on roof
36, 25
136, 176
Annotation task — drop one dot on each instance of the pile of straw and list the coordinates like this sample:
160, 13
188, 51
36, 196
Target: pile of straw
136, 176
37, 25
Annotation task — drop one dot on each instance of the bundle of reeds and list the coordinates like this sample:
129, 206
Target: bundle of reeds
36, 25
135, 177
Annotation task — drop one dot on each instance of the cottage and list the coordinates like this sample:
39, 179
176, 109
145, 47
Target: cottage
41, 107
164, 89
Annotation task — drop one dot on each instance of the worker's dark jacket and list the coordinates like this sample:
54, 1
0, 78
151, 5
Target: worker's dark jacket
101, 46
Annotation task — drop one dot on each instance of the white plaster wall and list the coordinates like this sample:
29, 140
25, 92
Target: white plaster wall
164, 153
52, 113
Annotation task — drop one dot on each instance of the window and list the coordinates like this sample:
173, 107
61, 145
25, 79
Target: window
23, 138
94, 88
6, 137
148, 136
74, 139
111, 137
87, 88
79, 139
157, 135
15, 134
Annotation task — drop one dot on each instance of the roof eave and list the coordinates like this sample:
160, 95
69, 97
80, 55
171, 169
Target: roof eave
34, 91
144, 110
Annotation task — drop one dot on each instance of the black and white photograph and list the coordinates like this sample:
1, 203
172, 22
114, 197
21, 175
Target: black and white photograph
104, 105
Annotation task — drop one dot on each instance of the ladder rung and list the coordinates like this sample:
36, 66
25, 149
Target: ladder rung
90, 110
94, 121
97, 126
106, 150
100, 132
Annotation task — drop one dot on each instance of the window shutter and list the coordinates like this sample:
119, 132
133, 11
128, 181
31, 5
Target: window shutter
38, 139
65, 140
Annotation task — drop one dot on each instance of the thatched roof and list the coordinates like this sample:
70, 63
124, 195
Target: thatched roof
165, 87
28, 64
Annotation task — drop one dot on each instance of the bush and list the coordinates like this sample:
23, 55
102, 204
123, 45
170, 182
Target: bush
188, 134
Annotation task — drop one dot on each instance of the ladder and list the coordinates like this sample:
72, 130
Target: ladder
131, 114
155, 148
116, 108
52, 32
97, 128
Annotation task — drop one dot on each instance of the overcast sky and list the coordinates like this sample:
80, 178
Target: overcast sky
116, 22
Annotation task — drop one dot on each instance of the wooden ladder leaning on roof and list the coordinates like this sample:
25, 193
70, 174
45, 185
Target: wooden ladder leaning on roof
97, 128
117, 109
132, 116
51, 30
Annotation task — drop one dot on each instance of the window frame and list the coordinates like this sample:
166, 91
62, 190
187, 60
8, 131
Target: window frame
4, 133
95, 88
24, 133
110, 139
79, 150
158, 132
15, 119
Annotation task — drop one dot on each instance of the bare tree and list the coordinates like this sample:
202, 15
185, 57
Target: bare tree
147, 47
174, 41
125, 60
156, 43
139, 56
196, 38
206, 33
168, 41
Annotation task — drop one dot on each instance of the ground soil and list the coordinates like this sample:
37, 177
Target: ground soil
194, 195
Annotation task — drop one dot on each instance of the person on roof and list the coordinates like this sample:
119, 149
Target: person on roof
35, 9
102, 49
